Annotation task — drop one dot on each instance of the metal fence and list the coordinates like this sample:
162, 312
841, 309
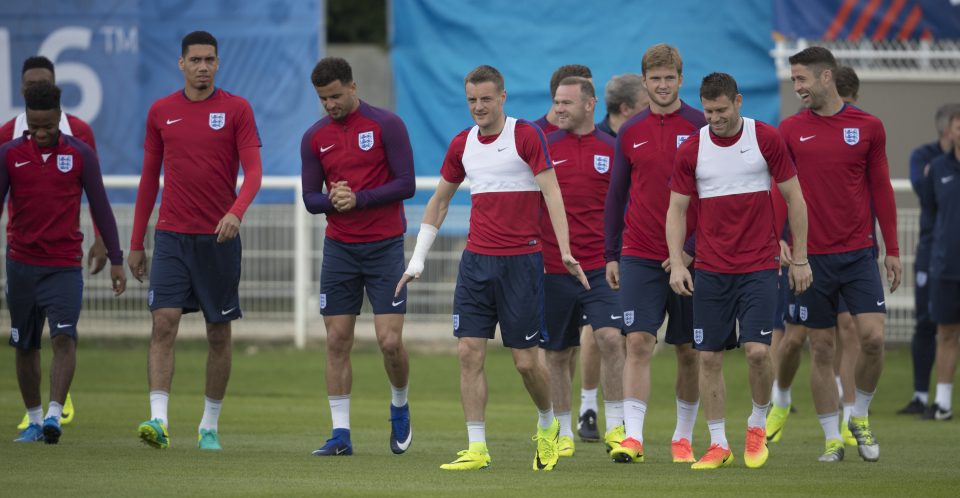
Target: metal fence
882, 60
282, 252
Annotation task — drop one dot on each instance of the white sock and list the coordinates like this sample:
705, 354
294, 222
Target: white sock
781, 397
830, 423
399, 396
56, 409
340, 411
944, 393
861, 403
545, 417
686, 418
613, 413
211, 413
758, 417
565, 429
923, 396
158, 406
847, 410
477, 432
718, 433
35, 414
588, 400
634, 411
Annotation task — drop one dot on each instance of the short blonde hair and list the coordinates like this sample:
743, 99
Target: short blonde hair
662, 55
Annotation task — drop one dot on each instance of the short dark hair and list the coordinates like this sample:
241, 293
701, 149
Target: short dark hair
42, 96
482, 74
586, 87
331, 69
197, 38
622, 89
37, 62
848, 83
715, 85
817, 58
566, 71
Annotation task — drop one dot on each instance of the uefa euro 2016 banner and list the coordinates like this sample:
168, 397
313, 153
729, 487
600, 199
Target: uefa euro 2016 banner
114, 58
436, 42
867, 19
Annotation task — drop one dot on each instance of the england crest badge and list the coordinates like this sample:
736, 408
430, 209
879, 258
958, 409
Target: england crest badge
698, 336
851, 136
217, 120
365, 140
323, 301
601, 164
456, 322
803, 313
681, 139
628, 318
64, 162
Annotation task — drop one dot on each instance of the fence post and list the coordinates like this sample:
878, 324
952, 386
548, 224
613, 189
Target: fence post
301, 268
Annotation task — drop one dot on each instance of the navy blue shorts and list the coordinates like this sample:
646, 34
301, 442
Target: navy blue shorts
349, 268
783, 299
504, 289
646, 298
568, 305
853, 275
194, 272
36, 293
944, 301
921, 296
721, 300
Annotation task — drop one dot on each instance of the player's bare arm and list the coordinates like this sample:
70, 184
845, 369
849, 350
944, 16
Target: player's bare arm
800, 275
137, 262
680, 279
547, 180
433, 216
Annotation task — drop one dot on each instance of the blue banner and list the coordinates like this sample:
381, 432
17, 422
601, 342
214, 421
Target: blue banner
436, 42
867, 19
114, 58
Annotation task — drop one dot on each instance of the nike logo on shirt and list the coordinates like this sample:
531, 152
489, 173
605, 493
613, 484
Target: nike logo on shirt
18, 164
324, 149
946, 179
560, 161
531, 336
804, 139
171, 121
503, 149
745, 150
639, 144
227, 312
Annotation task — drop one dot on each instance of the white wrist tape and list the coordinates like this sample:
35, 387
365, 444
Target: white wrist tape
428, 233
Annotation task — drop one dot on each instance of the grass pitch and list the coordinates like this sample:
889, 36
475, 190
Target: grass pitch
276, 413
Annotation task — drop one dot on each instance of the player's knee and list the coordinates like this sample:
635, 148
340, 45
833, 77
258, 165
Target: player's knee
526, 364
872, 344
640, 346
711, 361
823, 350
165, 327
757, 356
391, 345
687, 357
471, 357
63, 343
